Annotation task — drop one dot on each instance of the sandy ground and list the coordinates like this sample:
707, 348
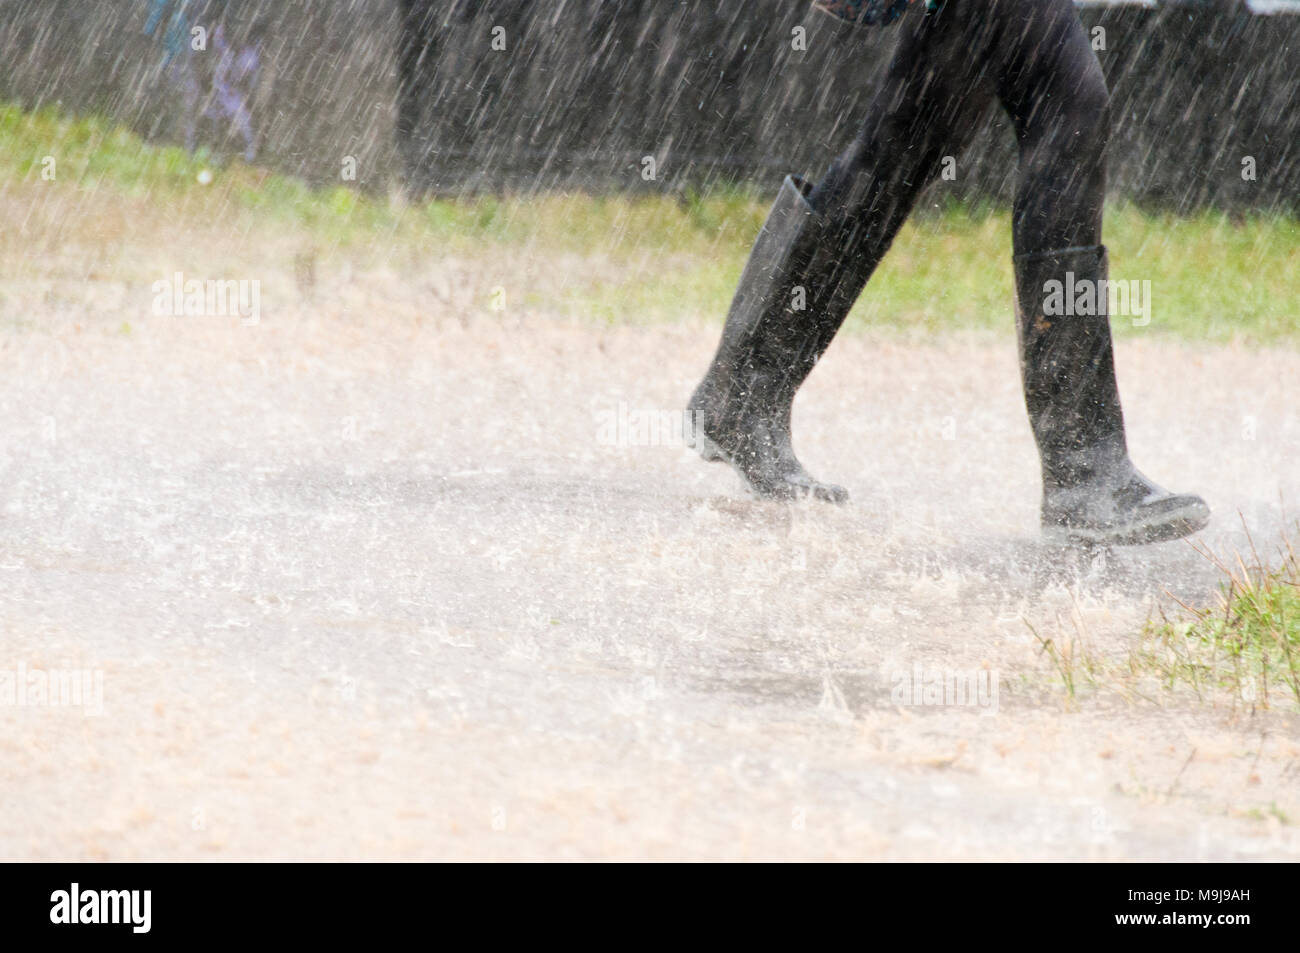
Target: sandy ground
382, 578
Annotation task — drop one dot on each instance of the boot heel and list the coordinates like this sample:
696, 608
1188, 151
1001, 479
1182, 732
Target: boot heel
709, 450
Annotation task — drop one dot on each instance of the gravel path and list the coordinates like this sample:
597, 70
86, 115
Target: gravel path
360, 587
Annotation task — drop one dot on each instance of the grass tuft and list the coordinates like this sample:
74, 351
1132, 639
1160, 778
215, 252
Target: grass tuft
1247, 645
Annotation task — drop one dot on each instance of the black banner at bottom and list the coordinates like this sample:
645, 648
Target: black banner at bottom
136, 903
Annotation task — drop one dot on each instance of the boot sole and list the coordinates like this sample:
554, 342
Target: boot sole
1159, 528
712, 453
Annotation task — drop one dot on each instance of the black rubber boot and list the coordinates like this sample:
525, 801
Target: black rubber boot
1092, 493
797, 287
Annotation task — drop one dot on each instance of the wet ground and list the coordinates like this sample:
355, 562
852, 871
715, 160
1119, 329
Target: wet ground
361, 586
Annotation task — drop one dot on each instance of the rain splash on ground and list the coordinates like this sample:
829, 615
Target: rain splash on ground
385, 577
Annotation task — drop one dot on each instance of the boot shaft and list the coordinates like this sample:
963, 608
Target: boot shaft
1067, 363
779, 254
802, 277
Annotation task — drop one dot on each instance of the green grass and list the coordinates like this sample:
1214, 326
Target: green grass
664, 258
1248, 646
1243, 651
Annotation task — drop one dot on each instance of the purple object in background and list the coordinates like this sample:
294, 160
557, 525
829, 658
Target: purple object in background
233, 82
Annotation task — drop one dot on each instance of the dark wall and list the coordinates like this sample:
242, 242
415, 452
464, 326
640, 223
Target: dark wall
717, 90
585, 89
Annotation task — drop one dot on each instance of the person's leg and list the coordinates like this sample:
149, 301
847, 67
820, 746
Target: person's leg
1052, 87
819, 247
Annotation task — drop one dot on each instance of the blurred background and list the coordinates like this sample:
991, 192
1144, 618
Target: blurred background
585, 89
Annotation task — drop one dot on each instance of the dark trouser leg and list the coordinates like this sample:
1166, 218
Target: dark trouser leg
819, 247
1054, 90
1052, 87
